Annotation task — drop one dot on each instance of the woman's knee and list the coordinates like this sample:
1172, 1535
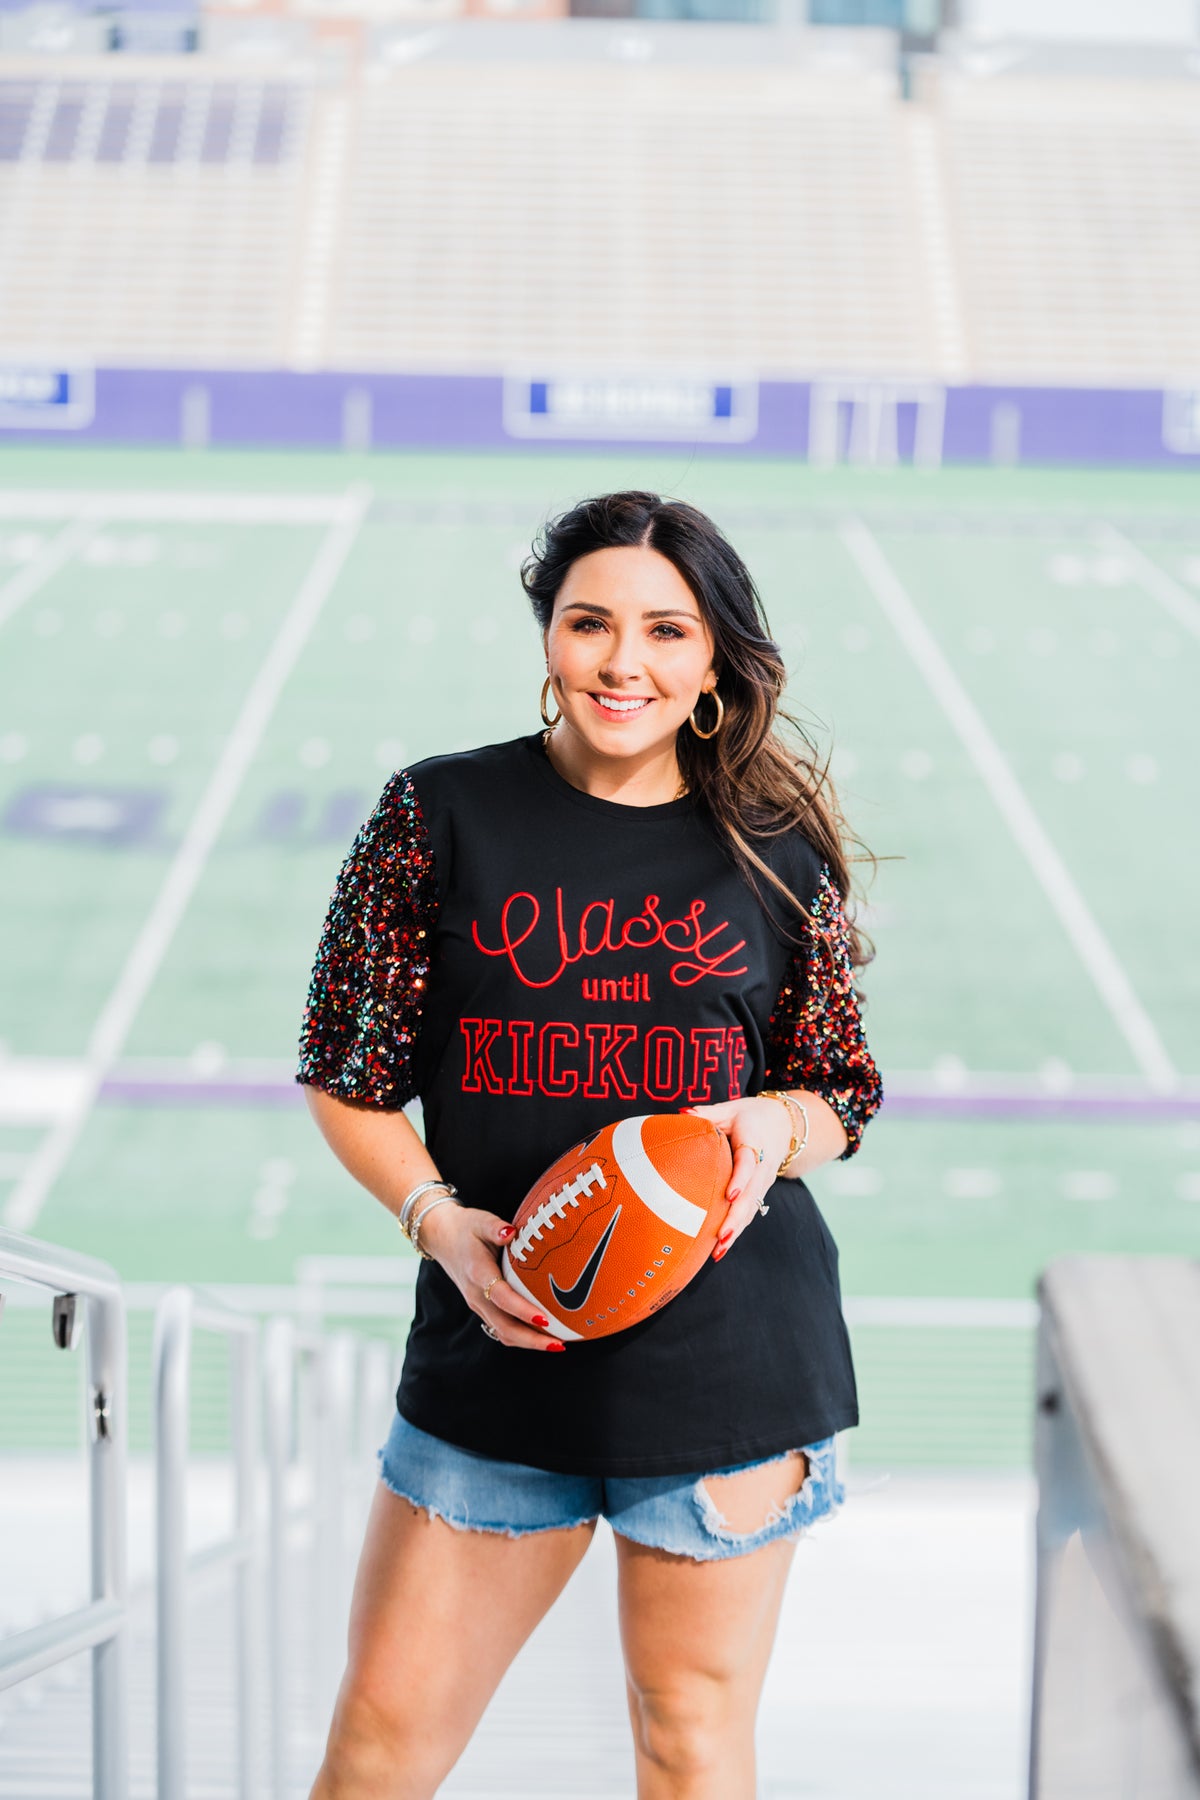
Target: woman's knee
686, 1727
377, 1748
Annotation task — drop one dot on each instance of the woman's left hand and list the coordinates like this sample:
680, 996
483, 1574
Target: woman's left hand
759, 1134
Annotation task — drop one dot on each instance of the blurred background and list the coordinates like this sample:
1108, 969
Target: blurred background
309, 315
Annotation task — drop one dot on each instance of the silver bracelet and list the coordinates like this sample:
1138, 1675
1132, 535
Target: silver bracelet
422, 1187
414, 1230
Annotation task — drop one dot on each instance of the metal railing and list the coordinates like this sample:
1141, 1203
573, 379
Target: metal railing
181, 1312
101, 1626
324, 1399
325, 1402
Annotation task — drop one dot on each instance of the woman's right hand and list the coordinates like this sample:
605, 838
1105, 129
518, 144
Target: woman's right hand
467, 1242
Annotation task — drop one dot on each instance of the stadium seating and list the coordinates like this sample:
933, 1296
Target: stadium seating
1076, 216
148, 218
455, 212
595, 212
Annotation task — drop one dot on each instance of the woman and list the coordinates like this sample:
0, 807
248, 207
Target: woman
638, 909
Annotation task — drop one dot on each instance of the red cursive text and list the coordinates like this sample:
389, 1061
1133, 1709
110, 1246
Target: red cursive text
528, 944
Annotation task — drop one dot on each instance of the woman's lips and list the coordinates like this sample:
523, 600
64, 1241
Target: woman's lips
620, 706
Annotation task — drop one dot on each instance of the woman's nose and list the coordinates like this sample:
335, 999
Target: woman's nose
621, 664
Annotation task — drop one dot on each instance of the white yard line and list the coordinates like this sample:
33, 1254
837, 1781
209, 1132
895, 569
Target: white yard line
1171, 595
27, 581
1092, 947
145, 958
166, 508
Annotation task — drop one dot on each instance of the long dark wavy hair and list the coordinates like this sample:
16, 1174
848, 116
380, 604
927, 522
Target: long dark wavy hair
761, 775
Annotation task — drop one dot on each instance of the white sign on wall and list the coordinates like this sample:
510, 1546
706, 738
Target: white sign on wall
1181, 421
655, 407
44, 397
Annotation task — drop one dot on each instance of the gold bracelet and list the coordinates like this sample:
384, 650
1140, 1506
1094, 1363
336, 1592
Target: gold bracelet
794, 1106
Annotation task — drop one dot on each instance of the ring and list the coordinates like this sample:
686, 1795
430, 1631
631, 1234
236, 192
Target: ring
763, 1208
758, 1154
485, 1327
491, 1284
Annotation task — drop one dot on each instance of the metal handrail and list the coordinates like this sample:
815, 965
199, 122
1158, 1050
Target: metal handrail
287, 1348
103, 1626
179, 1313
334, 1418
331, 1415
325, 1401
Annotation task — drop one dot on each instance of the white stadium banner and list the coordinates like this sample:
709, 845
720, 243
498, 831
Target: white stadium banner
657, 407
1181, 420
40, 396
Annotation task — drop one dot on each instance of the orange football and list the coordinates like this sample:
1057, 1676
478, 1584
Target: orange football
618, 1225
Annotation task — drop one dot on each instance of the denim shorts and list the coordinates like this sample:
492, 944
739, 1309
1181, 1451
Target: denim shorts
668, 1512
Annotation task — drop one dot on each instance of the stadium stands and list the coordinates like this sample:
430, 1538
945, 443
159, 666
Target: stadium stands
148, 218
600, 213
598, 196
1075, 211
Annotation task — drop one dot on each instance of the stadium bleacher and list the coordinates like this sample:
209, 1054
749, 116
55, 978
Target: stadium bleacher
698, 215
1076, 220
778, 208
150, 217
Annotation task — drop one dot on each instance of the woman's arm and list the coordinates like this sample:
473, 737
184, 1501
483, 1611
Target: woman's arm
380, 1149
815, 1052
386, 1156
815, 1045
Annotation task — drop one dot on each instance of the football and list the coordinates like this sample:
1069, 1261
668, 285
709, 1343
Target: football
618, 1225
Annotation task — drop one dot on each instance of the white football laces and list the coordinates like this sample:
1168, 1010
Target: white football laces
554, 1208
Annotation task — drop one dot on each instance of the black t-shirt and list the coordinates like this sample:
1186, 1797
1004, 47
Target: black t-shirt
535, 962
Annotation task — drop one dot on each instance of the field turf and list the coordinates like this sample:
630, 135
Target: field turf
210, 663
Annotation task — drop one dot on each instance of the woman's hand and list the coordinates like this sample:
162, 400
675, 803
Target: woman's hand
760, 1134
467, 1242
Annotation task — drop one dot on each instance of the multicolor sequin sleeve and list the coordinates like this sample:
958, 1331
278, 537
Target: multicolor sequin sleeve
815, 1039
368, 984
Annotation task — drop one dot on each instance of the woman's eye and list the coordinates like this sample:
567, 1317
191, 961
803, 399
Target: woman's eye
663, 631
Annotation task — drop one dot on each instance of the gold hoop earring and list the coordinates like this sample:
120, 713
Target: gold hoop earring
546, 720
720, 704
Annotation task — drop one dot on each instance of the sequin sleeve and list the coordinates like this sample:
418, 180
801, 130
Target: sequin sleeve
367, 991
815, 1039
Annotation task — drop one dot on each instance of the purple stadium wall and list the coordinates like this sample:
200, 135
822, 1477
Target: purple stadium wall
263, 409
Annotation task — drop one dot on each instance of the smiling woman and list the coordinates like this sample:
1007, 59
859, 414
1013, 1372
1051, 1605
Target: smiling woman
636, 911
628, 653
633, 570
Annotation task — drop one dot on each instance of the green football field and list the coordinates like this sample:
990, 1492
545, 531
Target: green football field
210, 663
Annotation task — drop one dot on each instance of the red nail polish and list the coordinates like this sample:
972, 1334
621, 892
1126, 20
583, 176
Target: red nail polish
541, 1321
507, 1231
556, 1344
725, 1238
732, 1195
719, 1252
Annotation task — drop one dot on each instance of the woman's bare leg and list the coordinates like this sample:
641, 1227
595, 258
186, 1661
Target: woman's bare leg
697, 1639
437, 1616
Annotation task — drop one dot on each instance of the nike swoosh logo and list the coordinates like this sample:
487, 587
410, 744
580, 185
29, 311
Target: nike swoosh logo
574, 1298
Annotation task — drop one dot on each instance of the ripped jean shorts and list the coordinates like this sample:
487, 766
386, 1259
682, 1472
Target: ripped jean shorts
668, 1512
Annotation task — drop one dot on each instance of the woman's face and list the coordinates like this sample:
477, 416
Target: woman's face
628, 651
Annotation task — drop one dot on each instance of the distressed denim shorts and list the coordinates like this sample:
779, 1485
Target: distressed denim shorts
668, 1512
